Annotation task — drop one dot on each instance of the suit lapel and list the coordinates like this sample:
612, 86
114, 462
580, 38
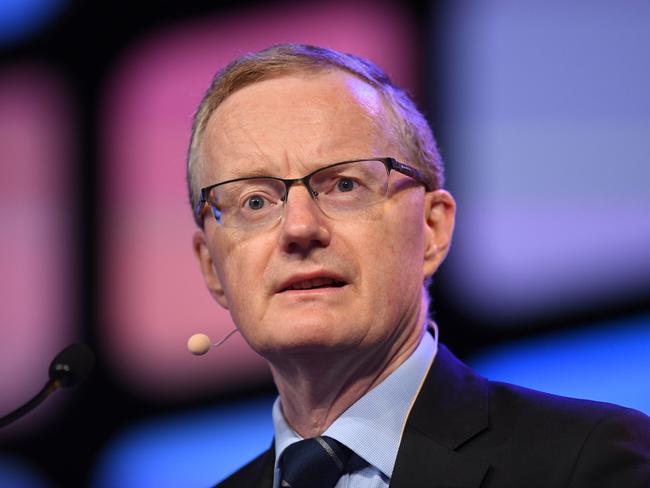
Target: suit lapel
451, 409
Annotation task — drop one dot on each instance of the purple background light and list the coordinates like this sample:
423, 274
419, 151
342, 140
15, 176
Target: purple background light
548, 154
36, 135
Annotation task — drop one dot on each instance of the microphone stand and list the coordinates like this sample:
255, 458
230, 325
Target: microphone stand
50, 387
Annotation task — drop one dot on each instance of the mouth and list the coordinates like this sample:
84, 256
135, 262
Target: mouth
316, 283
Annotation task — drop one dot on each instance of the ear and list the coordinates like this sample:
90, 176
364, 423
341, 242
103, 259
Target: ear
439, 215
210, 275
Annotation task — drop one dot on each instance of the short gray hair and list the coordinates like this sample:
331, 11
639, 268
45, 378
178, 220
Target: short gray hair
412, 131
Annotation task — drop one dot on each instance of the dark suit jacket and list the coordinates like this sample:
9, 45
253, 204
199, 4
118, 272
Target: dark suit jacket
467, 432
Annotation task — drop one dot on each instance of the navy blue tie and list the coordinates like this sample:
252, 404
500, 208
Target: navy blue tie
318, 462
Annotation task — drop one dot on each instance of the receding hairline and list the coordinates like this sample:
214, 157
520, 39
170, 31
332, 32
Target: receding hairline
274, 72
300, 71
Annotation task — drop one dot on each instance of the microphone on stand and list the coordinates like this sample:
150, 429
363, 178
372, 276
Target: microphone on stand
69, 368
199, 344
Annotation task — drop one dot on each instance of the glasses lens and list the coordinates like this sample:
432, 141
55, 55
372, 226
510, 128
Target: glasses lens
350, 186
247, 203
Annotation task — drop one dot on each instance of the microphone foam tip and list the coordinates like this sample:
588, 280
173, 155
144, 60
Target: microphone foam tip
199, 344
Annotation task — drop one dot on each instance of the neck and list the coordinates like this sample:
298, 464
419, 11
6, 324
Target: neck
316, 388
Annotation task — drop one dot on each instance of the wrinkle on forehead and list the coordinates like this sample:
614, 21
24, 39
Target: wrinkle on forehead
294, 124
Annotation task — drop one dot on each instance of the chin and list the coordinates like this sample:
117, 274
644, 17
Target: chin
307, 339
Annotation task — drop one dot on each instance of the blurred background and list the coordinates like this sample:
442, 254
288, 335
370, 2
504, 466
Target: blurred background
542, 113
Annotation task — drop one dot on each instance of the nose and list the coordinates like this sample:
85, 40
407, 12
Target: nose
304, 226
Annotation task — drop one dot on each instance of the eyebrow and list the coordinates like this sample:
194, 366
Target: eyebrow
262, 172
248, 173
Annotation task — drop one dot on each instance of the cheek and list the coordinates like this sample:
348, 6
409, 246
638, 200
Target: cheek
391, 250
402, 254
240, 267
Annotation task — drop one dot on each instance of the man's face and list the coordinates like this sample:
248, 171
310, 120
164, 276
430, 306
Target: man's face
275, 280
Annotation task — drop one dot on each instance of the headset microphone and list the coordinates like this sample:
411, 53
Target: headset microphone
199, 344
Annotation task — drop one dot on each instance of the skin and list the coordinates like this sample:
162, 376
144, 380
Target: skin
326, 347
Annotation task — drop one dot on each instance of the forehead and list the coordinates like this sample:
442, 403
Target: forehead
289, 125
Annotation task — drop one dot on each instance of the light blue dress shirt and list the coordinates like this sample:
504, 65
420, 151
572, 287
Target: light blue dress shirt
372, 427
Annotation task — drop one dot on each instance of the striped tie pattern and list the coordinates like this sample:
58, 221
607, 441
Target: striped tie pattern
318, 462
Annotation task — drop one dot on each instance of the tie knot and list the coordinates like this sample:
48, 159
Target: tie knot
318, 462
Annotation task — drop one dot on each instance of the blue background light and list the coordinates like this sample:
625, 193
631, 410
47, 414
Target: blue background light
21, 18
14, 473
608, 362
190, 450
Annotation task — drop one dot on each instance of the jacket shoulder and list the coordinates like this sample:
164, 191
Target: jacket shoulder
513, 400
584, 443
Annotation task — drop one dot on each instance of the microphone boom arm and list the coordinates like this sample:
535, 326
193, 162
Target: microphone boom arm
70, 367
50, 387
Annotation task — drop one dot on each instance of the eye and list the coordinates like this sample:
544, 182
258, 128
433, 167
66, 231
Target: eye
255, 202
345, 185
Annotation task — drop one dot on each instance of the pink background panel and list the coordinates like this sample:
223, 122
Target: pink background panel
154, 296
36, 270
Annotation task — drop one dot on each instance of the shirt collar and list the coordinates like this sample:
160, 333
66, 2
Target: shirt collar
372, 427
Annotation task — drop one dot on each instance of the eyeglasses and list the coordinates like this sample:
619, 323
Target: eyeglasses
338, 189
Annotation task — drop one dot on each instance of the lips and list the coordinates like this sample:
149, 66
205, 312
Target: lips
315, 283
311, 282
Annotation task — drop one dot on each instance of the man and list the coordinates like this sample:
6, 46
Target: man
317, 187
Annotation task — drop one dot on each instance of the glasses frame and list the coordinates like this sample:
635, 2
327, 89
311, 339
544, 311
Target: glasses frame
391, 164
